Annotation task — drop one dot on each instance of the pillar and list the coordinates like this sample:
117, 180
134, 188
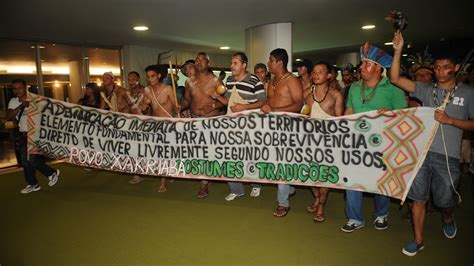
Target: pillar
261, 40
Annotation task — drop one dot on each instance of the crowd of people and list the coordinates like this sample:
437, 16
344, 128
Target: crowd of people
375, 84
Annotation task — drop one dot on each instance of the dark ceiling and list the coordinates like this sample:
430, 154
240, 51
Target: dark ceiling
318, 25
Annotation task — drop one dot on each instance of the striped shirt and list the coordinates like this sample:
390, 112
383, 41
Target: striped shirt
250, 88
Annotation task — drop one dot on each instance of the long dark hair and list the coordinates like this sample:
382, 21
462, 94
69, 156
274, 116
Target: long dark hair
85, 99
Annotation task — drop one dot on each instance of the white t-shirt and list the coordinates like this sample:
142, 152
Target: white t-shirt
13, 104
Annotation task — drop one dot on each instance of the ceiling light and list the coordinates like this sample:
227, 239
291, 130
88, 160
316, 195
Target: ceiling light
41, 47
224, 48
368, 27
18, 69
388, 43
140, 28
404, 54
298, 60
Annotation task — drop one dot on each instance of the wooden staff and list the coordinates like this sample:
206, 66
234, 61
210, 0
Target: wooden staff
176, 64
174, 86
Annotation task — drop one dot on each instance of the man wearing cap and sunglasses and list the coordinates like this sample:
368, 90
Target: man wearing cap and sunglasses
113, 95
188, 69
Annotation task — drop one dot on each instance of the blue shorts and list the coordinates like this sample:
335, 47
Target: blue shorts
433, 175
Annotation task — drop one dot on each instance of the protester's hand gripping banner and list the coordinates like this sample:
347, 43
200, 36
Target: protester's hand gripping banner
373, 152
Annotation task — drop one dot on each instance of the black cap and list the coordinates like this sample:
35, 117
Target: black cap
183, 66
305, 63
425, 68
348, 67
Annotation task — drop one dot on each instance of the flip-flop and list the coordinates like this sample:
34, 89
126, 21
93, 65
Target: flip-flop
319, 218
203, 193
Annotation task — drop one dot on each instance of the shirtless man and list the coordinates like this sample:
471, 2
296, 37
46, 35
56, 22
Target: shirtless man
160, 99
136, 105
198, 98
135, 95
325, 101
112, 95
189, 70
304, 68
284, 94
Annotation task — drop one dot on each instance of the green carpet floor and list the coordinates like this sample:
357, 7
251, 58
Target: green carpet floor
97, 218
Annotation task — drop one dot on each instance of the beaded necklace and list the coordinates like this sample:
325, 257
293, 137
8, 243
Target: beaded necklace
450, 95
313, 89
285, 76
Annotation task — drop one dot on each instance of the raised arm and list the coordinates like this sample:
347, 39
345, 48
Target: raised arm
395, 78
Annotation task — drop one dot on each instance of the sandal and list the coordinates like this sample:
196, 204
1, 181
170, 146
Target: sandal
281, 211
319, 218
312, 208
203, 192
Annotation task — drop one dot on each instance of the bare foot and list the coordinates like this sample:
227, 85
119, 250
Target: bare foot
162, 187
136, 179
313, 207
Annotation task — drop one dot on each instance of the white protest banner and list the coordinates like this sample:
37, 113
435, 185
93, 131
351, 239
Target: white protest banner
372, 152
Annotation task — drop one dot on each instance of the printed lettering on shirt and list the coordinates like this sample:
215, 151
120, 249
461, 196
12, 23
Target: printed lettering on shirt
458, 101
